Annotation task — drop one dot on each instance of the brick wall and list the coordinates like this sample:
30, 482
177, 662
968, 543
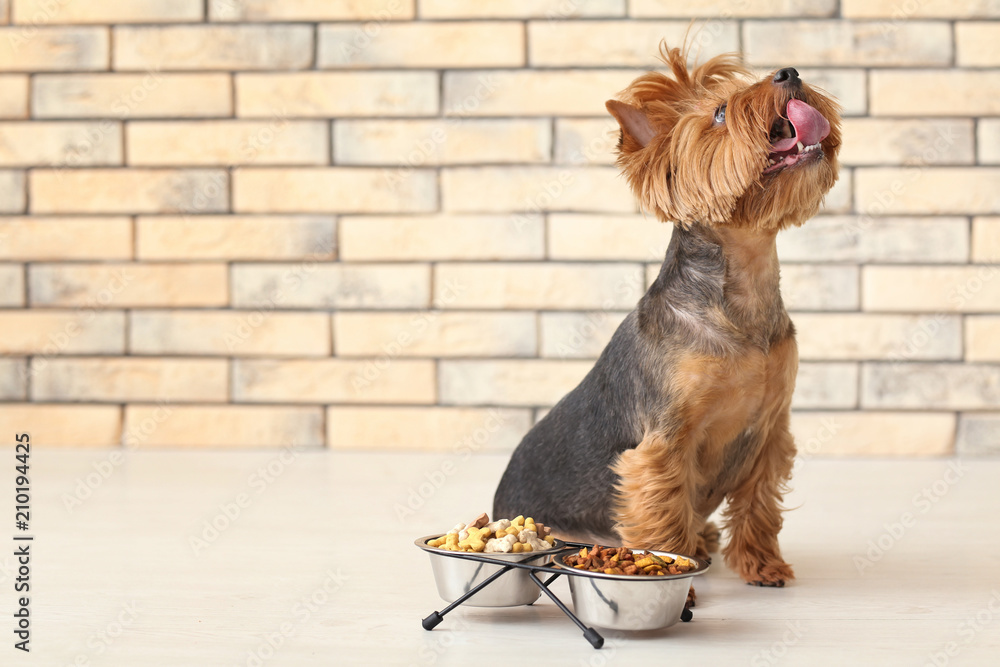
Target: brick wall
397, 223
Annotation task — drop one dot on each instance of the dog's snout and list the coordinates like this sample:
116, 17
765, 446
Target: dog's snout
787, 75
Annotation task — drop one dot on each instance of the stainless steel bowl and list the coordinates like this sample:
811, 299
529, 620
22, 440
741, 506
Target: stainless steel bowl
629, 602
457, 576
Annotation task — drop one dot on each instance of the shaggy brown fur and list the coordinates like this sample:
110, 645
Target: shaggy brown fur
689, 403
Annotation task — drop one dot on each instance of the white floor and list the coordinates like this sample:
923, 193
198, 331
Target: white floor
318, 568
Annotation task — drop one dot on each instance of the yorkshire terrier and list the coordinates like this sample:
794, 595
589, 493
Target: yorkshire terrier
688, 405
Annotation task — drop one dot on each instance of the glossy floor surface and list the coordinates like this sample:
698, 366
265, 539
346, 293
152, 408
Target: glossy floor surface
307, 558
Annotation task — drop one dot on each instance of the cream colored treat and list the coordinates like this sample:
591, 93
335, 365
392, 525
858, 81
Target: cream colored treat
517, 535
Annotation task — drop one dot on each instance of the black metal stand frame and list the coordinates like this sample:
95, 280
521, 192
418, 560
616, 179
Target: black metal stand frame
590, 634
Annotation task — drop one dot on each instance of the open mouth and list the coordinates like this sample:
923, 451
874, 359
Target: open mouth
796, 138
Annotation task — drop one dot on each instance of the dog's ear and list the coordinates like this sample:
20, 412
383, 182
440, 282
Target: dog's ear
637, 131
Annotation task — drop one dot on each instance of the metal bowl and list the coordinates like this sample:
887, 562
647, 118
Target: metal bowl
630, 602
456, 576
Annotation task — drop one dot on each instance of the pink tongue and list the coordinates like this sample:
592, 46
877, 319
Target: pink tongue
810, 126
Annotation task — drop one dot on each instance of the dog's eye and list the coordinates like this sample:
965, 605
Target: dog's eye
720, 115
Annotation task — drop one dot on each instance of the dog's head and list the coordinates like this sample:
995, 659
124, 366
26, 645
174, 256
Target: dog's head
709, 146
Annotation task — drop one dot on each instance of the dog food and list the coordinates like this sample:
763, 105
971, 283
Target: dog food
623, 560
517, 535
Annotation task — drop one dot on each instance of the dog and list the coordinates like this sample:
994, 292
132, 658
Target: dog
688, 405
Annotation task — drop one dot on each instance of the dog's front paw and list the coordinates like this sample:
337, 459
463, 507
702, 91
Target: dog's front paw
768, 574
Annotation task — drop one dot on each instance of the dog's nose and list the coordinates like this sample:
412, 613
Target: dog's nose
787, 75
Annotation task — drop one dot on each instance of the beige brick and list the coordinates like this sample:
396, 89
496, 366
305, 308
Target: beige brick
341, 189
105, 11
277, 141
218, 47
965, 289
312, 285
129, 190
311, 10
868, 336
52, 238
873, 433
424, 44
532, 93
70, 144
13, 96
461, 431
109, 379
434, 334
899, 12
42, 49
826, 386
848, 86
51, 332
954, 92
989, 140
518, 383
13, 379
978, 434
982, 338
930, 386
864, 239
986, 240
13, 194
977, 44
927, 190
819, 287
878, 141
714, 9
222, 426
381, 380
445, 237
503, 189
121, 285
578, 335
538, 285
249, 333
509, 9
582, 141
11, 285
233, 237
328, 94
149, 95
622, 43
839, 199
636, 237
418, 143
64, 425
817, 43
